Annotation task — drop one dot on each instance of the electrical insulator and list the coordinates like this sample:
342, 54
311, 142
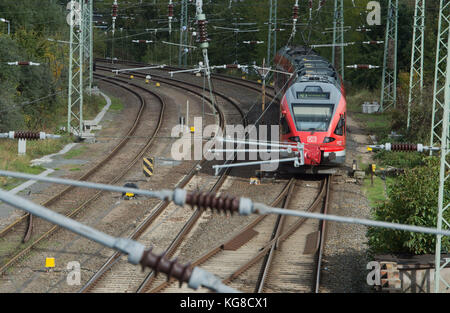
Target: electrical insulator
170, 15
114, 9
203, 201
172, 268
362, 66
373, 42
170, 10
28, 135
407, 147
321, 4
363, 30
278, 29
24, 63
310, 9
295, 12
253, 42
142, 41
202, 31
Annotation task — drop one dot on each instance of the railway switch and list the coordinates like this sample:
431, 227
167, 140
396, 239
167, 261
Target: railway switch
137, 254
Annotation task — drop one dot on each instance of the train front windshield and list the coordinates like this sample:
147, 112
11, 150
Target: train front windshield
312, 117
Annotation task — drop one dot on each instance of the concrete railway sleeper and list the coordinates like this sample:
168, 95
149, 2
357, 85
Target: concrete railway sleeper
54, 200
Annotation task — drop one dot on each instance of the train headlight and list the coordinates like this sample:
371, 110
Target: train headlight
329, 139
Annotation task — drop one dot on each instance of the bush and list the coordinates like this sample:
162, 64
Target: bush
400, 159
413, 199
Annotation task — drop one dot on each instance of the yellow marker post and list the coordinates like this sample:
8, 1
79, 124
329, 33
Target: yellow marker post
259, 81
158, 84
243, 77
148, 166
192, 129
147, 81
374, 166
369, 149
49, 263
131, 76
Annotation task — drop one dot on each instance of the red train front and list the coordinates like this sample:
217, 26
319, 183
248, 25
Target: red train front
312, 107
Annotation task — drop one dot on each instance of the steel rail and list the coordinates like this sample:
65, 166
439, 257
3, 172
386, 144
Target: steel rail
148, 221
233, 80
323, 235
266, 248
156, 212
192, 220
293, 228
175, 83
238, 235
278, 228
85, 176
114, 180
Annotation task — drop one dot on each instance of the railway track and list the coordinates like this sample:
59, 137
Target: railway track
268, 255
249, 84
143, 233
177, 83
44, 230
148, 282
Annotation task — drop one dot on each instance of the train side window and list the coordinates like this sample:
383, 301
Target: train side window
284, 126
340, 127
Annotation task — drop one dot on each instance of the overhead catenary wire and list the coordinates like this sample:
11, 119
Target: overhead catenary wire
243, 206
136, 252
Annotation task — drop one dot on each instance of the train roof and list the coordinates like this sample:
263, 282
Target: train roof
310, 66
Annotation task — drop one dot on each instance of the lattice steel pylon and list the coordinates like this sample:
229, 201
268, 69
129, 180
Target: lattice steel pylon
75, 95
444, 175
87, 11
182, 54
272, 33
338, 37
416, 71
389, 78
440, 73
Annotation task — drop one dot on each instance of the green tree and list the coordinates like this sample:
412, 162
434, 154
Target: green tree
413, 199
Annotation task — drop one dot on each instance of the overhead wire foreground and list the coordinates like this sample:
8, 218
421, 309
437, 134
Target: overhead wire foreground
205, 200
136, 252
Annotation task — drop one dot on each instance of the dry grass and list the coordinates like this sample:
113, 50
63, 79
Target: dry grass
9, 160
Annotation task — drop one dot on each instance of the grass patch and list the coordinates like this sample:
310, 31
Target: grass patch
74, 153
92, 105
75, 169
376, 194
378, 124
116, 104
9, 160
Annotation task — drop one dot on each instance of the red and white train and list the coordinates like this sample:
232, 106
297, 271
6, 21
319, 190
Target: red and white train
312, 106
